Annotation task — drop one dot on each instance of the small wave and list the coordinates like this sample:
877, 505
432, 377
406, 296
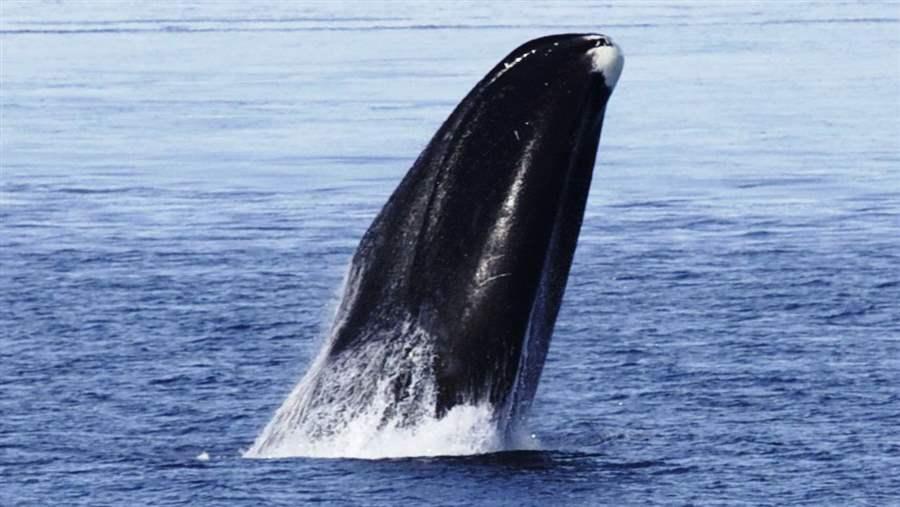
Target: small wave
646, 204
850, 312
815, 282
710, 224
172, 380
685, 275
757, 234
91, 191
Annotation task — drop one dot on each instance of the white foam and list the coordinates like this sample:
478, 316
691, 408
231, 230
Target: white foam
608, 60
378, 402
464, 430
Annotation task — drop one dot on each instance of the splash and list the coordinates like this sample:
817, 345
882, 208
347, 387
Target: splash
377, 402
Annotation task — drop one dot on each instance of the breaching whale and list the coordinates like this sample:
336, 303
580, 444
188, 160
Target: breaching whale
453, 292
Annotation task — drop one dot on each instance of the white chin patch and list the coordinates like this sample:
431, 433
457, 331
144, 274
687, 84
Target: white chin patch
608, 60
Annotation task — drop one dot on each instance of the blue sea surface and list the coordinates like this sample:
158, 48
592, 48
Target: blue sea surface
182, 186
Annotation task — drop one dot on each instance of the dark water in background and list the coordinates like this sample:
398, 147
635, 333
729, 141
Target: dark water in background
182, 187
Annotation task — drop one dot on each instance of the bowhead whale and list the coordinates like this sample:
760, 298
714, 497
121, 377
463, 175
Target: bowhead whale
453, 292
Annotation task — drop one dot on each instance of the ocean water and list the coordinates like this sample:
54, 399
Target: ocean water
182, 186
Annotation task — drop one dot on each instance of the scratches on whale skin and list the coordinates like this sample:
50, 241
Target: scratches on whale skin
488, 280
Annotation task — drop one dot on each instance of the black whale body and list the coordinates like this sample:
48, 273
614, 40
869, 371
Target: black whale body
475, 244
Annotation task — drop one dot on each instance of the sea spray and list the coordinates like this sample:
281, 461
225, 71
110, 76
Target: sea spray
377, 402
